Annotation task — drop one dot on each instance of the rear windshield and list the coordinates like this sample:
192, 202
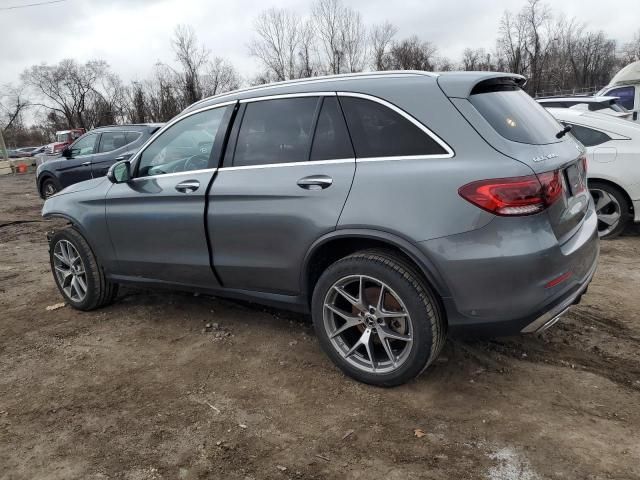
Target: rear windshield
514, 114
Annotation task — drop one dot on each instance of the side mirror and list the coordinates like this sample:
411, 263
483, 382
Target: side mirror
120, 172
67, 153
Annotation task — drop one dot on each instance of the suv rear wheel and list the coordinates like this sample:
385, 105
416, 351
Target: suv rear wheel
376, 318
76, 272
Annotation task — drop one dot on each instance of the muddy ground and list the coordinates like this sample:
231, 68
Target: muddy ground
139, 390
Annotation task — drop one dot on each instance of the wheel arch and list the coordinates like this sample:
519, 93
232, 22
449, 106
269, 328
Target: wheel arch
340, 243
40, 180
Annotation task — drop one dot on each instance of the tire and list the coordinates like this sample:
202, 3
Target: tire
48, 187
414, 338
70, 254
612, 205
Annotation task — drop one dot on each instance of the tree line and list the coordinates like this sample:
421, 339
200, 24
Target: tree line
557, 54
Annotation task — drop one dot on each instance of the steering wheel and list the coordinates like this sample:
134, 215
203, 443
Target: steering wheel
196, 162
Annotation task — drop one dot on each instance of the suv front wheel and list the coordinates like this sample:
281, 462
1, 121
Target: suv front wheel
376, 318
77, 273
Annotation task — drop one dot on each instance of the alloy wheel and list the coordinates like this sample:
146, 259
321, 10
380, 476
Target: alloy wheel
608, 210
69, 270
49, 189
368, 324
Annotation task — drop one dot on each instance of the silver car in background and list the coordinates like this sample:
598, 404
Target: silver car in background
394, 207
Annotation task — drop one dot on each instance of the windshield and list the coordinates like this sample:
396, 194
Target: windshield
515, 115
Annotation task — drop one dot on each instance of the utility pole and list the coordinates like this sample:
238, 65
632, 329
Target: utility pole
3, 149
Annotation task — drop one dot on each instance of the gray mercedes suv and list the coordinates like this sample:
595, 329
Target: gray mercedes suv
394, 207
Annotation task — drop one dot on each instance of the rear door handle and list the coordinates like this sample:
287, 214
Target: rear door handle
86, 164
188, 186
315, 182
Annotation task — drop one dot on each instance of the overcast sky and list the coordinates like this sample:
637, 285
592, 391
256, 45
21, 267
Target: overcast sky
132, 35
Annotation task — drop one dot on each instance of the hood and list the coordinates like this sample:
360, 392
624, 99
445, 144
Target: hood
82, 186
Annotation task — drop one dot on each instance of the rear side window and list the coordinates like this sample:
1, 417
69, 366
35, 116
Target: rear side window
514, 114
112, 141
132, 136
331, 139
625, 94
276, 131
378, 131
588, 136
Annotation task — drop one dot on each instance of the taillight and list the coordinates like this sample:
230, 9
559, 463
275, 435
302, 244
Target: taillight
515, 196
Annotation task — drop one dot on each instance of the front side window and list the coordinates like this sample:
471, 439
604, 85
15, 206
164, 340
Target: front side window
275, 131
588, 136
184, 146
84, 145
625, 94
112, 141
378, 131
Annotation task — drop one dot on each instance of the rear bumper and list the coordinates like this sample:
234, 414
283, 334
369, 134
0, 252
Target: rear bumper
556, 312
501, 277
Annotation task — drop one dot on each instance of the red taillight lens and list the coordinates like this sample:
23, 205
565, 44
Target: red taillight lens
515, 196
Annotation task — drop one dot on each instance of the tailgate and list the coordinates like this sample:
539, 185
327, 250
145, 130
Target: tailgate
517, 126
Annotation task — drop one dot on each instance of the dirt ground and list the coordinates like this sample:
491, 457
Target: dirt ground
143, 390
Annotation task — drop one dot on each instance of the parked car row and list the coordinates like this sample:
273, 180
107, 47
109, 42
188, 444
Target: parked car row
392, 206
25, 152
91, 155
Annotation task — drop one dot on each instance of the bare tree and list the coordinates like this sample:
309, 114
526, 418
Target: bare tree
353, 40
412, 54
380, 39
219, 77
631, 50
68, 88
192, 58
327, 20
279, 37
342, 36
512, 42
12, 106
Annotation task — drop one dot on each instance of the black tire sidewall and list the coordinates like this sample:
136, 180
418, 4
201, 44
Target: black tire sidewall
43, 185
422, 315
624, 207
94, 284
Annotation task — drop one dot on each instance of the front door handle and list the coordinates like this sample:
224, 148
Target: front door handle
86, 164
188, 186
315, 182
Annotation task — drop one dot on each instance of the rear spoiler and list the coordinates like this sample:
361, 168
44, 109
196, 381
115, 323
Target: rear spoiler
462, 84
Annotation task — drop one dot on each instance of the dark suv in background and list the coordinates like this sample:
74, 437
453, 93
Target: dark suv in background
91, 155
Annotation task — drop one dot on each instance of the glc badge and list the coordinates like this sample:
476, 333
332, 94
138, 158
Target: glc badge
545, 157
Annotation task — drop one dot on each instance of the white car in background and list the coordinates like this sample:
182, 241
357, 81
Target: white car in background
613, 165
607, 105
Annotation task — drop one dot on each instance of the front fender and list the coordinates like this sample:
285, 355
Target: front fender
85, 209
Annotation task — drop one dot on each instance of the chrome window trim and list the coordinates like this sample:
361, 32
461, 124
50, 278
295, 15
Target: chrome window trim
372, 98
169, 124
289, 164
409, 117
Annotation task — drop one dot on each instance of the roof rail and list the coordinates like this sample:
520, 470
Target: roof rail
325, 78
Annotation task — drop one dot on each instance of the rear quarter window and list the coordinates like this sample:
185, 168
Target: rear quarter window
378, 131
514, 114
